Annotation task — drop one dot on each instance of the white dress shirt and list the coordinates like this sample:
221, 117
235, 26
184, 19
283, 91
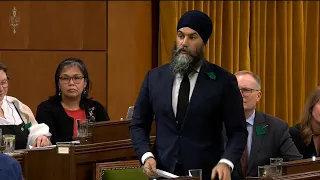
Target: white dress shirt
175, 93
11, 116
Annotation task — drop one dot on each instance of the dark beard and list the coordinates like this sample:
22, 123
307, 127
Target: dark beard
184, 64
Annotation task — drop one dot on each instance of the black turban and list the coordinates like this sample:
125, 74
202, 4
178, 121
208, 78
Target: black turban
198, 21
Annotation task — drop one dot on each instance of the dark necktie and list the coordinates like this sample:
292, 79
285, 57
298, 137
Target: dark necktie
244, 160
183, 99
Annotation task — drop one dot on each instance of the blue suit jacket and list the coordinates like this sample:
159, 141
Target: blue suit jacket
10, 168
200, 139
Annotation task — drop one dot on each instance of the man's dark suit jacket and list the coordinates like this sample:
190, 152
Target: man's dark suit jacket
306, 150
216, 99
275, 142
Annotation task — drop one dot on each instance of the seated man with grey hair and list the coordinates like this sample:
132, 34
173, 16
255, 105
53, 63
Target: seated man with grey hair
268, 136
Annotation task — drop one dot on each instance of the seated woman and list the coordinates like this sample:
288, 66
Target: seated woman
306, 134
70, 102
16, 118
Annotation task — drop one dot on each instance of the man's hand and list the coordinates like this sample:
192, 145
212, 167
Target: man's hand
149, 168
222, 170
41, 141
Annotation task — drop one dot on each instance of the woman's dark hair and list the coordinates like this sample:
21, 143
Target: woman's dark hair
3, 67
305, 123
68, 63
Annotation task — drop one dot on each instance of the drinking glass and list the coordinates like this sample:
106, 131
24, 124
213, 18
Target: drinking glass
9, 141
277, 163
130, 113
0, 137
263, 171
195, 173
82, 127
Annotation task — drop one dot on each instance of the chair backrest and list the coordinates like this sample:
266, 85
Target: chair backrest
185, 178
120, 170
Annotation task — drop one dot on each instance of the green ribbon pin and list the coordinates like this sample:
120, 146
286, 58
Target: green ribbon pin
27, 126
211, 75
261, 130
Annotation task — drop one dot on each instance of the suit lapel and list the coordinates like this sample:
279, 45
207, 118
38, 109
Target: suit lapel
257, 137
168, 83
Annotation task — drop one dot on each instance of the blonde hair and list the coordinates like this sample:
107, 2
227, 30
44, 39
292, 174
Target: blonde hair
306, 119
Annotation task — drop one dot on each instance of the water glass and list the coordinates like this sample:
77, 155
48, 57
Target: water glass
130, 113
9, 141
277, 163
195, 173
82, 127
0, 137
263, 171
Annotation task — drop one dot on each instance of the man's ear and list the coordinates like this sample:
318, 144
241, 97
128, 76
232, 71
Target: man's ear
259, 96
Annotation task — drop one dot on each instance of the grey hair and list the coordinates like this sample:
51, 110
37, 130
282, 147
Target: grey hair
255, 77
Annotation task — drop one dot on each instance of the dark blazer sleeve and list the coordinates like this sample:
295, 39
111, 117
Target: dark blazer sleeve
45, 114
101, 113
297, 139
234, 121
142, 120
288, 150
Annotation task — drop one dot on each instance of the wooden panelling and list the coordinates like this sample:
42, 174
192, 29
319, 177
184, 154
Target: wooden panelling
54, 25
32, 73
49, 32
129, 52
114, 39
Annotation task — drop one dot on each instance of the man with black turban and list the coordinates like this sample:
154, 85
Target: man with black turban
190, 99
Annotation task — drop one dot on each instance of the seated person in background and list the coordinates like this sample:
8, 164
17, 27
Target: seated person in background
70, 102
16, 118
10, 168
268, 136
306, 133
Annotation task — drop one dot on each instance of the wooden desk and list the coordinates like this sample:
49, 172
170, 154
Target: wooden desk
78, 164
301, 166
314, 175
298, 167
112, 131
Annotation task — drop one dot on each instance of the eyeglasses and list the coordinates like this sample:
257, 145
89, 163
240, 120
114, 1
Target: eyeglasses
247, 91
4, 83
75, 79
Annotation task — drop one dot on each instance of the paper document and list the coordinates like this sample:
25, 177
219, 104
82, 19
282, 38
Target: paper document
166, 174
70, 142
41, 148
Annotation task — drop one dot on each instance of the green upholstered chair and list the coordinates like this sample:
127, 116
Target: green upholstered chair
124, 174
120, 170
125, 170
